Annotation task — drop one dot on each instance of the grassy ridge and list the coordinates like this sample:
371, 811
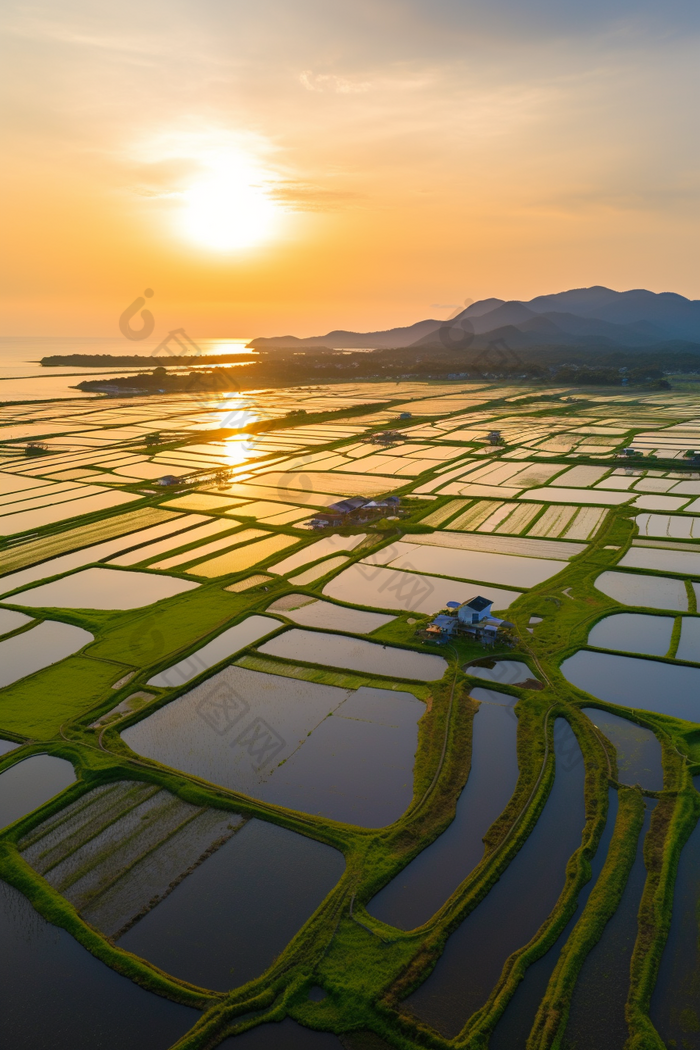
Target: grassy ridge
550, 1023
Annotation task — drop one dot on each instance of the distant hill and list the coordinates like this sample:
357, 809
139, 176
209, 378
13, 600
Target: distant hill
597, 317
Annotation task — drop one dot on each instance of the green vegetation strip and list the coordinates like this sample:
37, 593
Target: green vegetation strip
553, 1013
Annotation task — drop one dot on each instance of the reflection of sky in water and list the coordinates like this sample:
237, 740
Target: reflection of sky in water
342, 753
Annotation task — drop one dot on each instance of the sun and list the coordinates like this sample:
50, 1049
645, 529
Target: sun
230, 208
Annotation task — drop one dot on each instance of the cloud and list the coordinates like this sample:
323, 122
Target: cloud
329, 82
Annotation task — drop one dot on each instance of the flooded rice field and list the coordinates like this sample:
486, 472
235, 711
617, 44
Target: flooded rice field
686, 563
344, 754
119, 849
649, 685
424, 885
354, 654
56, 994
384, 588
513, 1028
597, 1017
515, 906
675, 1003
633, 633
312, 612
10, 620
225, 644
103, 589
638, 749
504, 569
505, 672
224, 924
28, 784
652, 592
689, 645
39, 647
287, 1035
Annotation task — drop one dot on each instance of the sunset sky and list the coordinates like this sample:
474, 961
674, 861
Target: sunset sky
288, 167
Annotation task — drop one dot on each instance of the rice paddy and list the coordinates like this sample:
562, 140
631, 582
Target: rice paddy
241, 725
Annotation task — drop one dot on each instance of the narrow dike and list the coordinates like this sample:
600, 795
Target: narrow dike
515, 907
597, 1013
513, 1028
675, 1004
425, 884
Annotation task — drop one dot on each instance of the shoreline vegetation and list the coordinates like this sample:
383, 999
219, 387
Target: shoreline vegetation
366, 967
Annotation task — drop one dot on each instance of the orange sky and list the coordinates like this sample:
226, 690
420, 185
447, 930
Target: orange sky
289, 168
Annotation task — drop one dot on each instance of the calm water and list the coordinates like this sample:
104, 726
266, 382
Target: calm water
7, 745
505, 672
363, 584
653, 592
336, 650
74, 560
56, 996
513, 1028
597, 1017
10, 620
226, 922
225, 644
675, 1004
425, 884
638, 749
514, 908
45, 644
504, 569
288, 1035
633, 633
687, 563
342, 753
689, 645
334, 617
631, 682
30, 783
103, 589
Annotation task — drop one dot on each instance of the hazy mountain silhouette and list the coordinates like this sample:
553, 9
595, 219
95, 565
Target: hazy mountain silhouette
595, 317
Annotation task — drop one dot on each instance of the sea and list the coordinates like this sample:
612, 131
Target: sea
22, 377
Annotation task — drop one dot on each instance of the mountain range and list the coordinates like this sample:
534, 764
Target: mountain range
594, 317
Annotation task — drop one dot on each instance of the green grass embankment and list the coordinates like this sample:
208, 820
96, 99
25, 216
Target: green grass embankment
550, 1023
578, 872
672, 823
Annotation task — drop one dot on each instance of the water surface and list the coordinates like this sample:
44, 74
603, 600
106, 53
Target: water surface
597, 1017
425, 884
45, 644
671, 689
57, 996
514, 908
312, 612
103, 589
228, 920
507, 672
225, 644
382, 588
689, 645
633, 633
336, 650
288, 1035
28, 784
652, 592
514, 1026
639, 758
675, 1003
687, 563
346, 754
